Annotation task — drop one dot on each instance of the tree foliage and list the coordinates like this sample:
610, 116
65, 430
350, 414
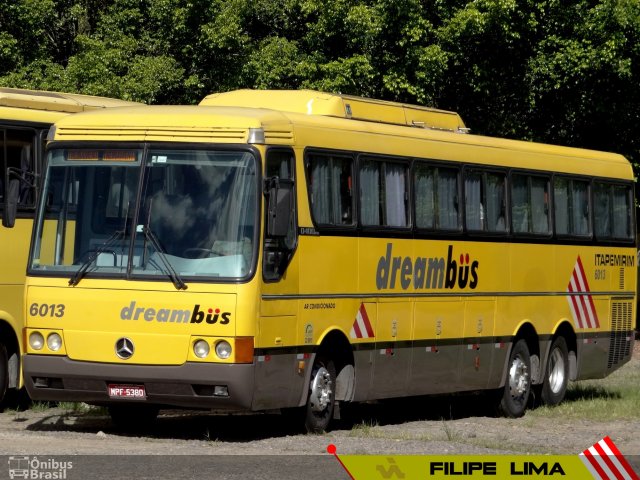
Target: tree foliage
559, 71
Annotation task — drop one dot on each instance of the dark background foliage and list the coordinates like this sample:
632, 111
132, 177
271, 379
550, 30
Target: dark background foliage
556, 71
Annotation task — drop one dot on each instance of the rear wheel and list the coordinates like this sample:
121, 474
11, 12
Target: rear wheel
518, 385
321, 397
556, 376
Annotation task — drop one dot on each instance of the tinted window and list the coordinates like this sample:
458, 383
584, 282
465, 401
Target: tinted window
383, 193
571, 198
330, 189
485, 201
530, 204
612, 210
436, 197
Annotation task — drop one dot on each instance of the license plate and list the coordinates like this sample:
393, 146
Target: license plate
127, 391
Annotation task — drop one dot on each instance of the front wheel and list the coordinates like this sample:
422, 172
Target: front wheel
556, 376
321, 397
518, 385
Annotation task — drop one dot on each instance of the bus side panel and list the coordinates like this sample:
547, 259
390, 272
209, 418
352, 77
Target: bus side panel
364, 351
14, 248
478, 345
436, 346
392, 358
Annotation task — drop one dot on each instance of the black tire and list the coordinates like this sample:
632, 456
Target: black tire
556, 375
132, 417
17, 399
321, 396
517, 387
4, 373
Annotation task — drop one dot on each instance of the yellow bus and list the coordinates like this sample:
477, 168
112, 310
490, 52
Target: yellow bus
25, 118
298, 250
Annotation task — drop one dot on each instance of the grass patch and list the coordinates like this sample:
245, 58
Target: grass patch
451, 434
81, 408
40, 406
365, 429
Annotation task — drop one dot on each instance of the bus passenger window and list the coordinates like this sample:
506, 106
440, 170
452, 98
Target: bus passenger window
540, 205
473, 208
561, 203
425, 196
436, 197
571, 200
495, 202
611, 206
485, 201
383, 193
602, 209
530, 204
621, 207
330, 189
580, 208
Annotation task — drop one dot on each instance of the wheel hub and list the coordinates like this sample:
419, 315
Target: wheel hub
556, 371
321, 390
518, 378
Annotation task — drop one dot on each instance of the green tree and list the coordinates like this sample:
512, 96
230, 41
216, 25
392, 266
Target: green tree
547, 70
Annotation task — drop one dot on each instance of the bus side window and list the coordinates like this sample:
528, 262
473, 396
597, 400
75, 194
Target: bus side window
279, 250
530, 204
436, 197
485, 201
331, 189
621, 205
561, 202
580, 211
495, 202
602, 209
17, 162
383, 193
611, 206
572, 212
474, 210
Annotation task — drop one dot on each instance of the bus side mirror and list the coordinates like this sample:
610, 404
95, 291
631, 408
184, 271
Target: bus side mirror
279, 193
11, 203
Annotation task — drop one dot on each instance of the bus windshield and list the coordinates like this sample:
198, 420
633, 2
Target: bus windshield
154, 213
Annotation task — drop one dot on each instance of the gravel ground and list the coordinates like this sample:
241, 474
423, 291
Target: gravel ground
395, 427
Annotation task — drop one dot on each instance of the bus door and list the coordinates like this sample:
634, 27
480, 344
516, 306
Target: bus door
277, 379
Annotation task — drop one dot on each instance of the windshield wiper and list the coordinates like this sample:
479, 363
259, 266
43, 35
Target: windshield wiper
75, 279
169, 270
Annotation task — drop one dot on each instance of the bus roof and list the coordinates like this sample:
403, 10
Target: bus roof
47, 107
310, 102
245, 124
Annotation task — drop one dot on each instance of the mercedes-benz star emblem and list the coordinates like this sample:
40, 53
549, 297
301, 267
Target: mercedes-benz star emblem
124, 348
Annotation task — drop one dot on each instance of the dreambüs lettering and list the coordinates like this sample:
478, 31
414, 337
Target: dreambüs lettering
426, 272
208, 315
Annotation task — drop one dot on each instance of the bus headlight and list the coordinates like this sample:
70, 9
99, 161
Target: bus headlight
36, 341
223, 349
54, 342
201, 348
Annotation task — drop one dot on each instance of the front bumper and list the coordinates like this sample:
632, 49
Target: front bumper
191, 385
